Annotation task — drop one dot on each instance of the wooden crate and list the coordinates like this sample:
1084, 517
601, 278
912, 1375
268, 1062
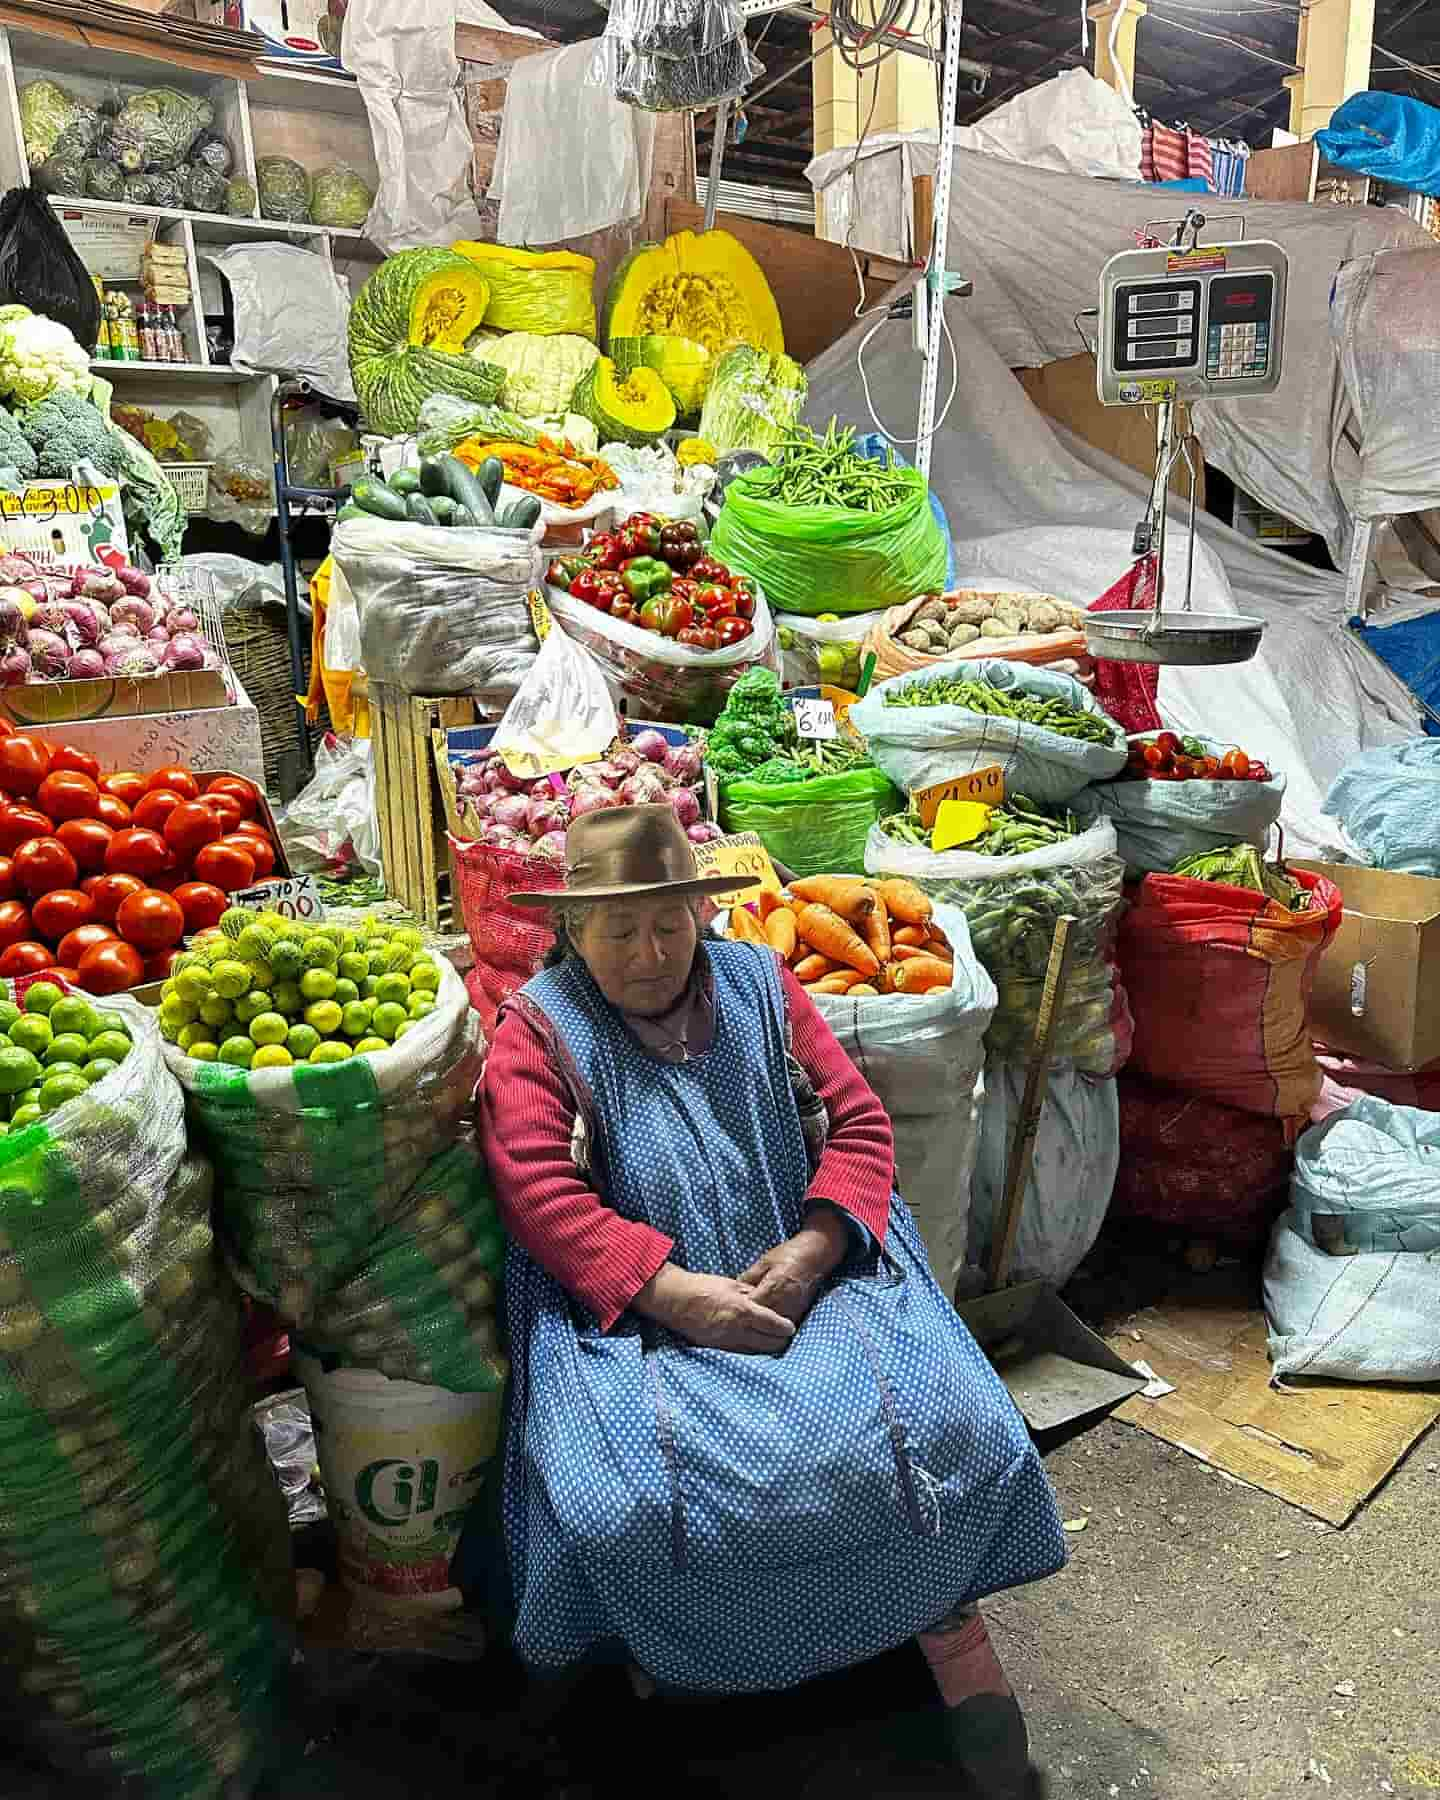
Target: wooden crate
408, 804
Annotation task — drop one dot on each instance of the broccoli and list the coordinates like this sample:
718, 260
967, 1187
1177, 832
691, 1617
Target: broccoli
15, 450
64, 430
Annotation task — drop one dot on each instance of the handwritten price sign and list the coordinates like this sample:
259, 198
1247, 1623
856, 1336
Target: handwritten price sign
815, 718
986, 787
292, 896
740, 854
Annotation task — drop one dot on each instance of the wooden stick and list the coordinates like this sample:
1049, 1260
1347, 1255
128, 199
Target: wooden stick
1022, 1145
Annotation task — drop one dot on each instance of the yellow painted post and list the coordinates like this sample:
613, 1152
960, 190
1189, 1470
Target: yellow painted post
899, 95
1116, 69
1333, 48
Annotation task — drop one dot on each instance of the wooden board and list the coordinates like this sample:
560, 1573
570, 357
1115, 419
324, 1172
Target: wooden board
1324, 1446
1284, 173
1065, 392
813, 280
408, 806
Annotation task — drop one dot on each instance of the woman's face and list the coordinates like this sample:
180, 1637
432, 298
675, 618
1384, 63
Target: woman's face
639, 952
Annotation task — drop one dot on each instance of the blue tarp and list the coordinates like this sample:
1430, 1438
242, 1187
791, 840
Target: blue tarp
1387, 135
1412, 650
874, 445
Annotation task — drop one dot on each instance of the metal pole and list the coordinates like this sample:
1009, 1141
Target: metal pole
717, 156
1164, 450
935, 273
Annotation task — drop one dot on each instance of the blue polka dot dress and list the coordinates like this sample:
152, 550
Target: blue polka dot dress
747, 1522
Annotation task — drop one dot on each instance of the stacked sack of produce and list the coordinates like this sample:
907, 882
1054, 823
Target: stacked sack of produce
1023, 866
145, 1586
897, 982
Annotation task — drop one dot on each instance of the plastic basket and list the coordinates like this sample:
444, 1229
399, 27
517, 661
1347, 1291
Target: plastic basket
191, 481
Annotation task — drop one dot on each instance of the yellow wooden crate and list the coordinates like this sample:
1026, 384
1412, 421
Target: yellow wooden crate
409, 807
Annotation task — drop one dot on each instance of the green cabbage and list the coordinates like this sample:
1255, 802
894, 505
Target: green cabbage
284, 189
753, 400
541, 372
46, 109
339, 197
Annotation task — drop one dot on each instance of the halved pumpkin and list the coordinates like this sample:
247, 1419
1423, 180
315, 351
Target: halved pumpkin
627, 409
705, 286
681, 363
408, 327
545, 291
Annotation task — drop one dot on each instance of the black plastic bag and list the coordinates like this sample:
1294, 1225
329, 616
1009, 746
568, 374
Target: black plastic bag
39, 267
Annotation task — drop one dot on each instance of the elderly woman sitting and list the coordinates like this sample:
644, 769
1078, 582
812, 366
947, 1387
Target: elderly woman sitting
750, 1440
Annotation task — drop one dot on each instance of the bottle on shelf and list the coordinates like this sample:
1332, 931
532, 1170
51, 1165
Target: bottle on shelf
174, 336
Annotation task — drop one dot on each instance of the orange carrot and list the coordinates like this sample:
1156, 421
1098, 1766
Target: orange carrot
906, 902
811, 968
924, 973
746, 927
910, 934
913, 952
768, 903
864, 988
825, 931
840, 983
876, 930
940, 941
843, 894
782, 932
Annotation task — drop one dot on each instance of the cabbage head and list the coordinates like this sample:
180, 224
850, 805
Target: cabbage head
541, 372
284, 189
339, 197
45, 110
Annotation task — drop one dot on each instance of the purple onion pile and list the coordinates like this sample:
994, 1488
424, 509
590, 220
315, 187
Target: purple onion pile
531, 817
91, 624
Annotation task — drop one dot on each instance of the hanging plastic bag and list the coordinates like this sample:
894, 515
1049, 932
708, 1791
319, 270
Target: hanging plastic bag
1159, 823
39, 267
562, 709
653, 677
815, 650
817, 827
1012, 903
919, 745
442, 611
330, 824
816, 559
313, 443
1220, 978
242, 492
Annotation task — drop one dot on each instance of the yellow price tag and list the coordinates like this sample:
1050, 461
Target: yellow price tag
984, 786
741, 853
541, 617
958, 822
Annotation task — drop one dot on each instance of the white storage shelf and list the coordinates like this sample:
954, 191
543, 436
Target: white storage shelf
313, 117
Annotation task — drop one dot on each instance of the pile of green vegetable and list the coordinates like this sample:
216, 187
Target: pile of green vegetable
442, 491
831, 756
1014, 829
806, 470
1026, 709
754, 727
1241, 865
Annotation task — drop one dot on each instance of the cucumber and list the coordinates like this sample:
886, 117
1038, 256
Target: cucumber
463, 517
435, 475
490, 474
351, 511
521, 514
419, 511
404, 481
377, 499
443, 508
467, 490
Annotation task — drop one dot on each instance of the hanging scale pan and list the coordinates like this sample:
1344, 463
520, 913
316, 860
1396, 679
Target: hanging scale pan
1192, 638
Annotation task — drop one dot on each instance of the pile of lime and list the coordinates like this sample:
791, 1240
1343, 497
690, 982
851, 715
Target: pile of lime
838, 663
54, 1046
261, 992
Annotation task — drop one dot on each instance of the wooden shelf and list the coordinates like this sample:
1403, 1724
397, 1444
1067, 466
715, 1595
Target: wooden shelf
186, 371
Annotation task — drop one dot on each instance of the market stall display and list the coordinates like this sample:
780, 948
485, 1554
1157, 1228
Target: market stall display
842, 935
86, 624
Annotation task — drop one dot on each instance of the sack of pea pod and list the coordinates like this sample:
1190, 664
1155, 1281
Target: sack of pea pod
145, 1583
1011, 898
1047, 734
1160, 823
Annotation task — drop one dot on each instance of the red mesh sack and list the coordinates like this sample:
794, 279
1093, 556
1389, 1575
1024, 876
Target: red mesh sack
510, 942
1127, 690
1208, 1170
1219, 980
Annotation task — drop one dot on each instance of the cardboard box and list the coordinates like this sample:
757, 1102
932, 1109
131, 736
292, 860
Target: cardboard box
221, 737
1377, 990
63, 702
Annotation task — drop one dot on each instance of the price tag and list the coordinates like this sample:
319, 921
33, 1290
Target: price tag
986, 787
541, 618
740, 854
292, 896
815, 718
958, 822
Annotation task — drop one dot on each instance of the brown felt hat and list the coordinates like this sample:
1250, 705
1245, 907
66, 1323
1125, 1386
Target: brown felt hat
630, 853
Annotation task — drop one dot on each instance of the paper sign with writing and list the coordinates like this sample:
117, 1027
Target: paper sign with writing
742, 853
292, 896
958, 822
540, 614
984, 786
815, 718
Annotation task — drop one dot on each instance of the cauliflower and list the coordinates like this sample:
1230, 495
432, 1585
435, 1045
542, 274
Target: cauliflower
65, 430
37, 356
541, 372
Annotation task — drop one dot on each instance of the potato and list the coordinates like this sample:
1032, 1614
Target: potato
931, 611
916, 640
1010, 610
997, 628
974, 611
963, 634
1040, 615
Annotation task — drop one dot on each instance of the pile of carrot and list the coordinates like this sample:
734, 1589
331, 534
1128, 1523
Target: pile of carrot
842, 935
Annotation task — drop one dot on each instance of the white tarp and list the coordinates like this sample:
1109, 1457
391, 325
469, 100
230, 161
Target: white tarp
1032, 508
1033, 242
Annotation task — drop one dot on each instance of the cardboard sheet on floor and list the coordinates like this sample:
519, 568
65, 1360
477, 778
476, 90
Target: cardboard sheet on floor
1324, 1447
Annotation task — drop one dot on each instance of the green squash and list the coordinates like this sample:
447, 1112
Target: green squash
683, 364
626, 409
408, 327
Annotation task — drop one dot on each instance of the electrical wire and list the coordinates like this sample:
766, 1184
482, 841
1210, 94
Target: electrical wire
1404, 62
875, 419
1219, 38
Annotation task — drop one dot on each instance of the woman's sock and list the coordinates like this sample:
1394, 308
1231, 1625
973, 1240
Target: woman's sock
983, 1725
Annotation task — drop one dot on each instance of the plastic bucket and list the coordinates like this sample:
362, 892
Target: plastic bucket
401, 1463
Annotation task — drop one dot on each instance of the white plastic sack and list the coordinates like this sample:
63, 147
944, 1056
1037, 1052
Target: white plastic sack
331, 822
342, 626
804, 640
442, 611
923, 1054
1077, 1151
1369, 1179
562, 708
291, 314
1160, 823
919, 745
1388, 802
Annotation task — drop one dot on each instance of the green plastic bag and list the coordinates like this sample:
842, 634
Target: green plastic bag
813, 827
832, 559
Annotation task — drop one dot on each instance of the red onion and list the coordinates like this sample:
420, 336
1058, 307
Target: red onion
14, 665
591, 797
180, 618
602, 774
185, 651
512, 812
627, 762
517, 784
685, 805
703, 833
551, 846
501, 837
86, 665
13, 628
49, 655
651, 746
133, 611
683, 762
50, 617
547, 813
645, 789
134, 581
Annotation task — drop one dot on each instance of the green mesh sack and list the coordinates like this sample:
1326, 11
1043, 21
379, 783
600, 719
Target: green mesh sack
833, 559
144, 1553
317, 1160
814, 827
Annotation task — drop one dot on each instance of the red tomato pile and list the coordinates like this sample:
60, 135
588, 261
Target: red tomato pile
102, 875
1168, 757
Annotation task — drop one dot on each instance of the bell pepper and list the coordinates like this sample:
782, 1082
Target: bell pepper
667, 615
623, 609
731, 630
605, 551
707, 569
742, 596
699, 637
584, 585
564, 569
680, 545
641, 538
645, 577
